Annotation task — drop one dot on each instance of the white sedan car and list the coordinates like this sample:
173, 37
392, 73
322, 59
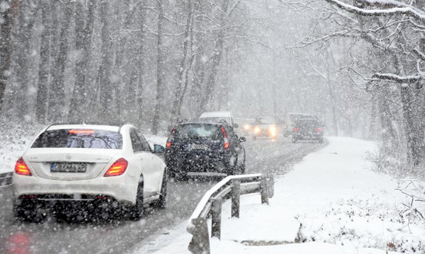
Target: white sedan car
90, 165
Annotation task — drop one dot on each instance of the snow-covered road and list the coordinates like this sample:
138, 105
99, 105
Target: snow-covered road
263, 156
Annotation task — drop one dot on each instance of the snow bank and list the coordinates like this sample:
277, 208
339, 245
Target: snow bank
14, 139
332, 202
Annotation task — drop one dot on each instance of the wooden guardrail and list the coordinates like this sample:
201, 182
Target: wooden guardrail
231, 187
6, 179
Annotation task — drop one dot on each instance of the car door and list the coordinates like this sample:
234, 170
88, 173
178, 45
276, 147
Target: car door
158, 164
235, 144
145, 164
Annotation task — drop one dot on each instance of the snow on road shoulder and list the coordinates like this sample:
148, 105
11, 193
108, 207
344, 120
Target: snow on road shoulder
331, 203
14, 140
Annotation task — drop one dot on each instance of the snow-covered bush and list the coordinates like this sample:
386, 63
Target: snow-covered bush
366, 224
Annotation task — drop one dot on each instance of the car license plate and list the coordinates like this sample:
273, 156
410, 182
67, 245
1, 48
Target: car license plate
59, 167
198, 147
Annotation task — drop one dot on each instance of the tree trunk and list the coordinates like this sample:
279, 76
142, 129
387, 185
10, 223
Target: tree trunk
43, 72
159, 70
57, 91
184, 65
105, 85
216, 59
84, 36
141, 63
8, 16
26, 20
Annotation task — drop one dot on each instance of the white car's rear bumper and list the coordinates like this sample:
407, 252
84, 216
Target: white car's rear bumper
121, 189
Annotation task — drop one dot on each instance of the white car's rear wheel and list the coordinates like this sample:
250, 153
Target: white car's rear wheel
136, 211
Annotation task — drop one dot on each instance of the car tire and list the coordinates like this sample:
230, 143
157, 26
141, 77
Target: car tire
136, 211
294, 140
26, 211
162, 201
321, 140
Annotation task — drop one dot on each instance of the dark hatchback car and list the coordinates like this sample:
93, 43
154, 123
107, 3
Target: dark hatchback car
307, 129
204, 149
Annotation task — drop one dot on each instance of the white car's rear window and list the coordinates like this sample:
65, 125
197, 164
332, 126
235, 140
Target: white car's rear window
79, 138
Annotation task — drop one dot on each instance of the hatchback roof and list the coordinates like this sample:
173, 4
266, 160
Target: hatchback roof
84, 126
216, 114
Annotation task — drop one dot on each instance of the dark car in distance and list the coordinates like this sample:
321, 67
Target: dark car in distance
204, 149
307, 129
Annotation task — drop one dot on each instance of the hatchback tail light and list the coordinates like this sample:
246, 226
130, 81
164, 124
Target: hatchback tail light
226, 140
296, 129
21, 168
118, 168
318, 130
170, 139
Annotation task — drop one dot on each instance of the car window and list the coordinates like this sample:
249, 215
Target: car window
144, 142
194, 131
136, 142
78, 138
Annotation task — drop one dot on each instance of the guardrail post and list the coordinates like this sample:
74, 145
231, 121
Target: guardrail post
216, 218
271, 186
200, 242
236, 195
264, 190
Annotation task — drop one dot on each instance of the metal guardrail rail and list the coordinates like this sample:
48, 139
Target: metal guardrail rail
6, 179
231, 187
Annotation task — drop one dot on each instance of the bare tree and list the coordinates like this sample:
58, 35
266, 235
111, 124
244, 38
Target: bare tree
43, 72
84, 34
57, 89
8, 13
159, 69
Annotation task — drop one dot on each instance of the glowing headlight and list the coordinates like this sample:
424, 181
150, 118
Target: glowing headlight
246, 127
273, 131
257, 129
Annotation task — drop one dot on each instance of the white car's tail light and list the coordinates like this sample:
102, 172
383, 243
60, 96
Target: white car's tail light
21, 168
118, 168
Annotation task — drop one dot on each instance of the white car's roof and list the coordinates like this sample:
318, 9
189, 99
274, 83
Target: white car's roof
84, 126
216, 114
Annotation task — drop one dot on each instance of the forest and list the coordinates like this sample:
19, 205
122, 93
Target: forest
357, 65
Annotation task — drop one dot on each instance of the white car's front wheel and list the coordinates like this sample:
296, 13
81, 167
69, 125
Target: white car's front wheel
162, 201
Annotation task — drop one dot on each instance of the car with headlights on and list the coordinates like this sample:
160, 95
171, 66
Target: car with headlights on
97, 167
265, 127
198, 149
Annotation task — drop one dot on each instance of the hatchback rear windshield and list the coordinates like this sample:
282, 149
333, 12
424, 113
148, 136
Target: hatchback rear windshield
195, 131
307, 123
77, 138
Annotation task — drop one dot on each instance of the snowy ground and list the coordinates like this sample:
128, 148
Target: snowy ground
331, 203
13, 142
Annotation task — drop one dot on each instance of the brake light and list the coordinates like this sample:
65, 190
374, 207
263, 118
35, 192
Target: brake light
296, 129
318, 130
226, 141
170, 138
21, 168
118, 168
81, 132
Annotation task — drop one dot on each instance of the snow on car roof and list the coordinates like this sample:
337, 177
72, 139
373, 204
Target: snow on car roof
216, 114
84, 126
